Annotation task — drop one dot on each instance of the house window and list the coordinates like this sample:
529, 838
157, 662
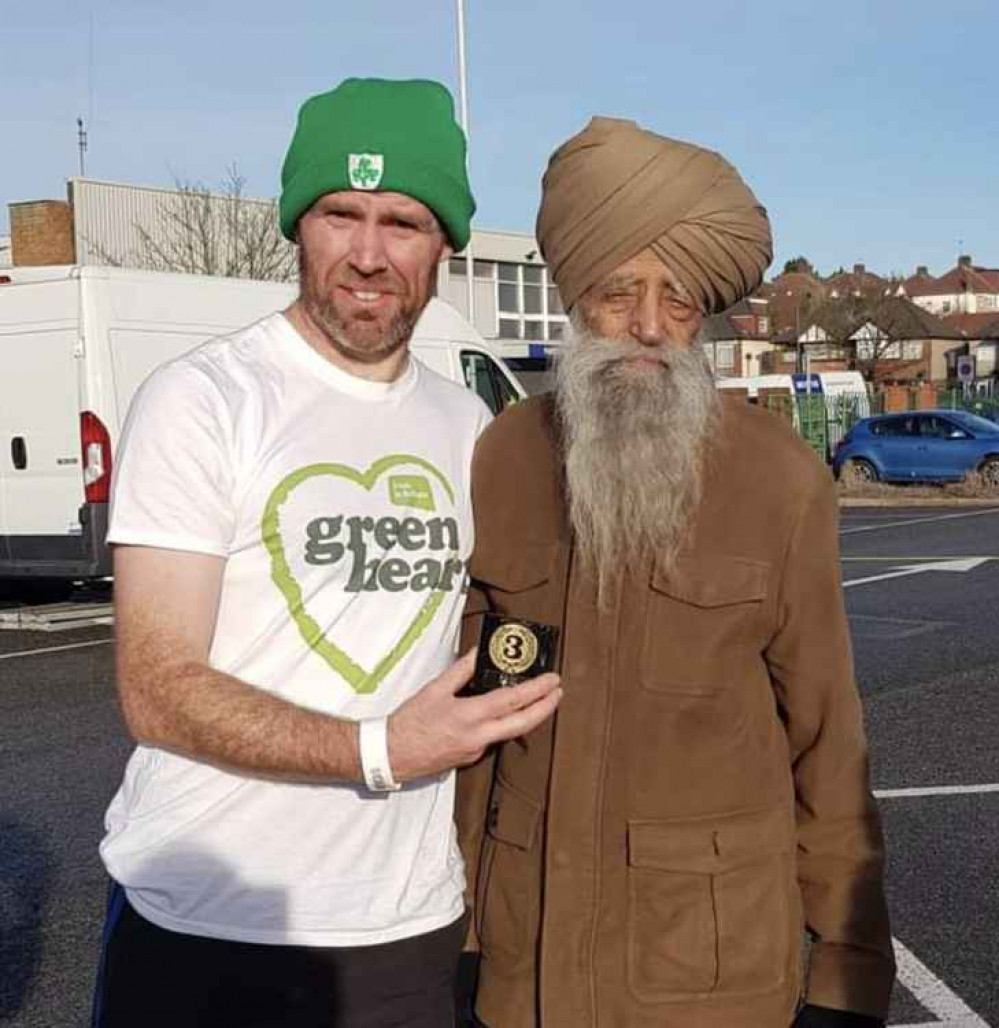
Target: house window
912, 350
945, 307
987, 303
725, 355
763, 326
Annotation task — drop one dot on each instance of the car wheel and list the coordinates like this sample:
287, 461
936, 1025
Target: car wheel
859, 470
989, 471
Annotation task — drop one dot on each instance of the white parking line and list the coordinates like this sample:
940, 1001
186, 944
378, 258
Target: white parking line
919, 521
52, 649
935, 790
932, 994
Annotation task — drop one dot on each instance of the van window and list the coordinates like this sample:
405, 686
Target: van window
483, 376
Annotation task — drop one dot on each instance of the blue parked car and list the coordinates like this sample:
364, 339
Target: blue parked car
921, 446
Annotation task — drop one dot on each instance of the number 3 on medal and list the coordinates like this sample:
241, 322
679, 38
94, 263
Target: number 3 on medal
513, 648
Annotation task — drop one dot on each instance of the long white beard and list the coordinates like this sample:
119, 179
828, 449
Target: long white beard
634, 439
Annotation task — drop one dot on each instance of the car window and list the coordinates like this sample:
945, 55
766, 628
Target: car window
974, 423
480, 379
508, 396
893, 427
934, 427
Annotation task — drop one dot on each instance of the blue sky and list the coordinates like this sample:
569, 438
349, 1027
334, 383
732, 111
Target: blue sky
869, 129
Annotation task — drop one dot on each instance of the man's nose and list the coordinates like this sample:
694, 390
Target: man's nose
367, 249
648, 321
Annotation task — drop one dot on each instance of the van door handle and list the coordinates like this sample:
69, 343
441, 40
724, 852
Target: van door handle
19, 452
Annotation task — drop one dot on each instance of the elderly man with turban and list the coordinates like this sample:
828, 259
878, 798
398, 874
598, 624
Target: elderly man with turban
691, 842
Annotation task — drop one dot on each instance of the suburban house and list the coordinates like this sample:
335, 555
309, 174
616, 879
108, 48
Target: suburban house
736, 340
965, 289
889, 339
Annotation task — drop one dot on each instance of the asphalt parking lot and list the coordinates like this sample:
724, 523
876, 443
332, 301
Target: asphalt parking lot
922, 590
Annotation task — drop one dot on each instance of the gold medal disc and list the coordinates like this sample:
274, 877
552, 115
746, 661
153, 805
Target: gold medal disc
513, 648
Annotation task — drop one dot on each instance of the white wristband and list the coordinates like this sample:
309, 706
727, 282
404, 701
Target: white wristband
373, 742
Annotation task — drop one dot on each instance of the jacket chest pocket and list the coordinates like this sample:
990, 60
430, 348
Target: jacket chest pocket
516, 582
710, 905
703, 623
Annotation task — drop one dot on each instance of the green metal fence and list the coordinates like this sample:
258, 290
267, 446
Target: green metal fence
822, 421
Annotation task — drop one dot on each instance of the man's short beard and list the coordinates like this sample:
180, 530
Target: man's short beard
324, 315
634, 439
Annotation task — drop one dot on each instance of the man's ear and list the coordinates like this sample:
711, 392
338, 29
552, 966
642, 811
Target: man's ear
447, 252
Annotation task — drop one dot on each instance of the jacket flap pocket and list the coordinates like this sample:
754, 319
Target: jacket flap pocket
713, 580
516, 569
513, 818
710, 845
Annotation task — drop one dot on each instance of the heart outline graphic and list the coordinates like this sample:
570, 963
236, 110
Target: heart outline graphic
361, 681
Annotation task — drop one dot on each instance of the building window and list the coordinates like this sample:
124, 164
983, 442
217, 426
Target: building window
987, 303
945, 307
726, 355
528, 304
485, 271
763, 326
912, 350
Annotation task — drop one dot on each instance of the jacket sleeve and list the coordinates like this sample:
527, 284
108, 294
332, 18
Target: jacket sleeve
839, 841
474, 783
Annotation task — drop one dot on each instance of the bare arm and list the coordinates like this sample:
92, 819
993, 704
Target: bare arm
166, 606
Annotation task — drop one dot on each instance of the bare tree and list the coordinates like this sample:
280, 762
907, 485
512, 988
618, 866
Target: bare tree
204, 232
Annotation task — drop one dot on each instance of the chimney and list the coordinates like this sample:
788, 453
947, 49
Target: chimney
923, 271
964, 261
859, 269
41, 232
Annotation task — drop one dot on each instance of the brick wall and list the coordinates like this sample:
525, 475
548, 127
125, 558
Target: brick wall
41, 232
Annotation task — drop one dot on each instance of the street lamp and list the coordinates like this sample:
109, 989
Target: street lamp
463, 101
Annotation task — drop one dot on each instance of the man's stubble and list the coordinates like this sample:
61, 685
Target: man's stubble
363, 341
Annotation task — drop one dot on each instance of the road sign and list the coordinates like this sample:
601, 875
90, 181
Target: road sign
807, 385
966, 368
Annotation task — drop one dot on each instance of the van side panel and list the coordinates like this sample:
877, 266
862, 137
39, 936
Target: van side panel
40, 460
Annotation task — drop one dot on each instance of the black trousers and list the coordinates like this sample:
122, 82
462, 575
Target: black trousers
154, 978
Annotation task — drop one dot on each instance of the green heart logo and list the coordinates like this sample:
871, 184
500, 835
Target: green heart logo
361, 680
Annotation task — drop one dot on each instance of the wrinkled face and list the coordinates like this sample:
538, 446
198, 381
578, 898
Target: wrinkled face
368, 268
642, 301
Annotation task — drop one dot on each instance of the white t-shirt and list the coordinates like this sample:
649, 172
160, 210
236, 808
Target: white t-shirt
342, 508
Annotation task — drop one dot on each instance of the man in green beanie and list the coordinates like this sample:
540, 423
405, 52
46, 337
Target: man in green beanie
291, 522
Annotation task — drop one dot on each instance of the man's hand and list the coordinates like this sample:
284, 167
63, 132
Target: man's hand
823, 1017
436, 730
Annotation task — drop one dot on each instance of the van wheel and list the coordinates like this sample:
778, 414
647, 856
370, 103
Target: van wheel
860, 470
989, 471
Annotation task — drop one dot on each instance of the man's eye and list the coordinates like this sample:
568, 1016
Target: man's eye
679, 310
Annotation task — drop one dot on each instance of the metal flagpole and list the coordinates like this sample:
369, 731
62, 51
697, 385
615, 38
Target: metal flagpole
463, 100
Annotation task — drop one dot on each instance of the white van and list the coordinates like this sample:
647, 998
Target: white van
76, 343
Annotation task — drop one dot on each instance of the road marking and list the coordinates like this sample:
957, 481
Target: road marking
961, 565
932, 994
52, 649
919, 521
903, 560
935, 790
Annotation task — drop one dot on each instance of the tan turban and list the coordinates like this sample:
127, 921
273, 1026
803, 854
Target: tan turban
616, 189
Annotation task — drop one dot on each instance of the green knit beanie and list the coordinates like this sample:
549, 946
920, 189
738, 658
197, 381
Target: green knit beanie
369, 134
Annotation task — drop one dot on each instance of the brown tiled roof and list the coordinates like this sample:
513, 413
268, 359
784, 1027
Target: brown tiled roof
896, 316
976, 326
963, 278
860, 280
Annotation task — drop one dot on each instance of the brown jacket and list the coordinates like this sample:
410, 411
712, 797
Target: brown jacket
653, 856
